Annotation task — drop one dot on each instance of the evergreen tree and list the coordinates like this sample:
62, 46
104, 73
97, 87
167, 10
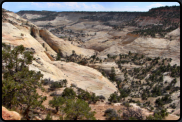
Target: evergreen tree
108, 56
19, 84
59, 54
69, 93
73, 52
85, 95
129, 53
113, 98
78, 110
94, 98
56, 102
111, 114
113, 75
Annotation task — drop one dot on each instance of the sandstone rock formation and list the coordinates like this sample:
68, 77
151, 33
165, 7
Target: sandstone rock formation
90, 37
84, 77
96, 31
10, 115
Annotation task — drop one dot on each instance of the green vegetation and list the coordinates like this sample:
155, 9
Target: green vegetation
165, 25
74, 109
156, 29
164, 100
48, 117
158, 115
113, 98
19, 84
78, 110
131, 114
68, 93
56, 102
151, 86
111, 114
59, 84
59, 55
94, 98
47, 15
90, 97
113, 74
85, 95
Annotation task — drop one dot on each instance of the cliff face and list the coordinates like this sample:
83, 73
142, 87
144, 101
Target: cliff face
65, 47
92, 16
164, 16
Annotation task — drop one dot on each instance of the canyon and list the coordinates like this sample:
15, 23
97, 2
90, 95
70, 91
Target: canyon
79, 36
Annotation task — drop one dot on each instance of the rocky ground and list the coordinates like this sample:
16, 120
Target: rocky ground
71, 33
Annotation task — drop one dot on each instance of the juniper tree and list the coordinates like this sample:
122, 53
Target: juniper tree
19, 84
69, 93
94, 98
78, 110
59, 55
85, 95
73, 52
56, 102
113, 98
111, 114
113, 74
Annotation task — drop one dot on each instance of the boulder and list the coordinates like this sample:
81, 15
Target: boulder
10, 115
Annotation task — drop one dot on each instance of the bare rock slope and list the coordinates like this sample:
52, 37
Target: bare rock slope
15, 33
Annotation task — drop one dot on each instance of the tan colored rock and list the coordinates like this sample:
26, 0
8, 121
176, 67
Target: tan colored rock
65, 47
10, 115
37, 118
85, 77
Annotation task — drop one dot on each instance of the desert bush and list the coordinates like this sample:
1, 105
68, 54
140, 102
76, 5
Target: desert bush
130, 113
113, 98
56, 85
111, 114
126, 104
101, 97
94, 98
46, 81
69, 93
173, 106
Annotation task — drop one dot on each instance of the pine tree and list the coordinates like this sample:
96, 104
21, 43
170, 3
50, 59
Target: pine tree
19, 84
113, 74
78, 110
56, 102
58, 57
59, 54
69, 93
113, 98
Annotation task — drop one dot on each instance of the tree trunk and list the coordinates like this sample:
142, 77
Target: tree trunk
76, 118
26, 113
57, 108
